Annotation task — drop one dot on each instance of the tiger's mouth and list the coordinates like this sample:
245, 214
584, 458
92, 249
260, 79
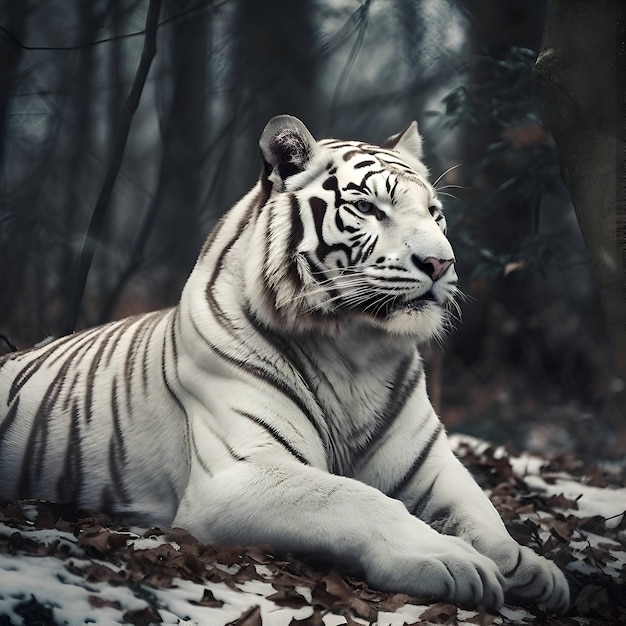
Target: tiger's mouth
420, 302
383, 309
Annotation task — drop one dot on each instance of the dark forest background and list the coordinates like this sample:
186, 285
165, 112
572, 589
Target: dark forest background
127, 127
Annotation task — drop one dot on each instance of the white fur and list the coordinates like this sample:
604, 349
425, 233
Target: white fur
276, 411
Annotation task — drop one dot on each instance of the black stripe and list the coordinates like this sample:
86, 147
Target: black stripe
340, 145
117, 455
36, 445
34, 362
318, 210
422, 502
144, 342
7, 422
405, 382
291, 358
368, 251
352, 153
69, 393
362, 187
117, 337
116, 469
134, 336
70, 481
295, 238
410, 473
78, 341
269, 292
297, 361
117, 437
90, 381
396, 279
271, 430
261, 373
348, 208
190, 437
188, 434
219, 314
208, 244
392, 190
439, 518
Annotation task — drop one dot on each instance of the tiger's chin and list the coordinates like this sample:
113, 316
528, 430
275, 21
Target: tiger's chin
421, 323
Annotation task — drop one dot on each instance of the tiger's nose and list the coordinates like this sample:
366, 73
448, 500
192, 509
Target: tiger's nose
434, 268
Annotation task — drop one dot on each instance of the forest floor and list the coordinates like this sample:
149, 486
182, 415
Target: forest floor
58, 567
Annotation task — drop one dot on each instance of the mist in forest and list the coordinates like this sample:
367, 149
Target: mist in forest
127, 127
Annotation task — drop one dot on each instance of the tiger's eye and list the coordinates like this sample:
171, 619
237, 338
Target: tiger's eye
365, 207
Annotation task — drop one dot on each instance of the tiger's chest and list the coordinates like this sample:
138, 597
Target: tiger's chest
361, 393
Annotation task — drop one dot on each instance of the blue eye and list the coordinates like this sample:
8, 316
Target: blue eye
365, 207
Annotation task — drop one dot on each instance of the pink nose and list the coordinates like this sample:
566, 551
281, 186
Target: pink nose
435, 268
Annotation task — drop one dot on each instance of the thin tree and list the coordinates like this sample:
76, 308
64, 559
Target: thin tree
98, 216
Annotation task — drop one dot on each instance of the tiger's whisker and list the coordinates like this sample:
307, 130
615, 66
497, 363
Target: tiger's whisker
446, 172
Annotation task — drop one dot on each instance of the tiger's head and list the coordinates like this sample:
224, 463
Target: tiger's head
354, 232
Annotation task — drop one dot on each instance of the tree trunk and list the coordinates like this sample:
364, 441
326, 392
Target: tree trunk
275, 66
579, 76
185, 129
98, 215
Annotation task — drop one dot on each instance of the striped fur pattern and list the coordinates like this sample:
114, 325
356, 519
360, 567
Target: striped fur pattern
283, 401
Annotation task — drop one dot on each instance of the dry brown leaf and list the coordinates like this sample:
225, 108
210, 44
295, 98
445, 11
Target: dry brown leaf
313, 620
593, 601
97, 602
338, 595
142, 617
98, 573
440, 613
287, 596
251, 617
208, 599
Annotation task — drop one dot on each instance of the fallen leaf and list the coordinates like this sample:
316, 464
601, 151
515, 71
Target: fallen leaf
142, 617
440, 613
334, 593
593, 601
289, 597
251, 617
98, 573
313, 620
97, 602
208, 599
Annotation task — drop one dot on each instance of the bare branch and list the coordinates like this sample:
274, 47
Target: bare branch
96, 222
89, 44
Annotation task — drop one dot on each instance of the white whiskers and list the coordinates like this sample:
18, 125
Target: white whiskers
446, 172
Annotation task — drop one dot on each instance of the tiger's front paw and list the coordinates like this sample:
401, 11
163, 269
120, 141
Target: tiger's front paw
530, 578
445, 569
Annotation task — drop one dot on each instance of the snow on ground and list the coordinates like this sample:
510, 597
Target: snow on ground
90, 570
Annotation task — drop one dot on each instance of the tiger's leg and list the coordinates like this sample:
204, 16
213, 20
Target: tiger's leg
444, 494
297, 508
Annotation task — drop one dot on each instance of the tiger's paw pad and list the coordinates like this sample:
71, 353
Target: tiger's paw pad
458, 574
532, 579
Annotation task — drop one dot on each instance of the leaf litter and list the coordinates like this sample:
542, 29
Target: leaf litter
63, 566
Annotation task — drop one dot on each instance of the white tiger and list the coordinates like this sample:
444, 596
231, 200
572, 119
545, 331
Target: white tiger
283, 401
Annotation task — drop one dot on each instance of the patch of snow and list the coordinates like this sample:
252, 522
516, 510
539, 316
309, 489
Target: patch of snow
607, 502
65, 593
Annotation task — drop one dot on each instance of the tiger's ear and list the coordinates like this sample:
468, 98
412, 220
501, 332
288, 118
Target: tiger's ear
408, 144
286, 146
